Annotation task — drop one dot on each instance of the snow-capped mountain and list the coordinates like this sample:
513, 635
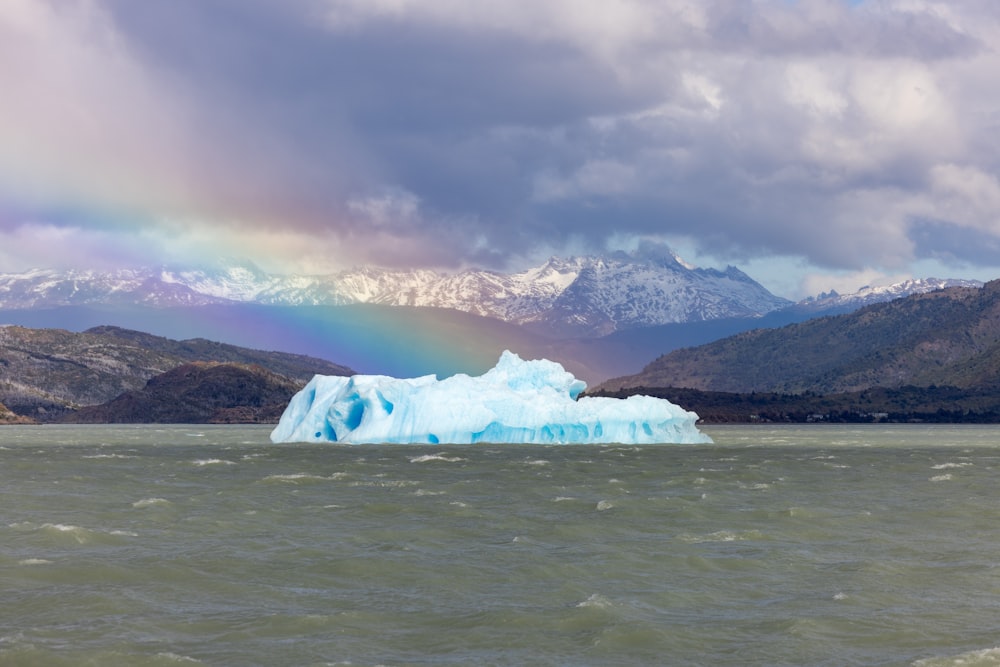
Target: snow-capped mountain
582, 296
609, 294
45, 288
831, 301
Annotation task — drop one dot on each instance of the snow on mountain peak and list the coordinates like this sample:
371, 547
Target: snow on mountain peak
586, 295
877, 294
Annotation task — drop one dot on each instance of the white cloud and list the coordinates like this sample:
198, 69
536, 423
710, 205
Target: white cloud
815, 284
965, 195
816, 88
602, 178
80, 115
391, 207
605, 28
90, 123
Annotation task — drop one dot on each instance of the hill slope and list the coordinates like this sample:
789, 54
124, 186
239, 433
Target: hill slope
947, 338
297, 366
198, 392
9, 417
47, 373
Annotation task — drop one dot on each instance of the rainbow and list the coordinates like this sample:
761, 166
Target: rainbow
398, 341
370, 339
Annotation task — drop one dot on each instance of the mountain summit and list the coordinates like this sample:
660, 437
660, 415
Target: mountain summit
577, 296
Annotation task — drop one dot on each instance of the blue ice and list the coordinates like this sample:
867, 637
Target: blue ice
517, 401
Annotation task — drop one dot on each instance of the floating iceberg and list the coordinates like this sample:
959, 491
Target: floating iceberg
517, 401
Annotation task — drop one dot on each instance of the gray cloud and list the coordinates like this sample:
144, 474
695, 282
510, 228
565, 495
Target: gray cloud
954, 244
441, 132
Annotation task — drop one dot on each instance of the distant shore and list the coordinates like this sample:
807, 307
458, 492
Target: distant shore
878, 405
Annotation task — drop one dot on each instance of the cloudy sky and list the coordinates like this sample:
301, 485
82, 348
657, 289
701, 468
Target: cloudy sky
815, 144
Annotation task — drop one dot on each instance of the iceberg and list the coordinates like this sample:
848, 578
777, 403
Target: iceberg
517, 401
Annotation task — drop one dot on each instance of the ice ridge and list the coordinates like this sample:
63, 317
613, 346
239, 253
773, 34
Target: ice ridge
517, 401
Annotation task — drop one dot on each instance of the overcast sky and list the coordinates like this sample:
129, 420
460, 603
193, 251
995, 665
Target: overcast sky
815, 144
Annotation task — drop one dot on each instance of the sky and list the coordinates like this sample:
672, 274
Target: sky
815, 144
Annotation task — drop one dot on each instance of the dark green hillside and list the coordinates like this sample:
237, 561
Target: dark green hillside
198, 392
945, 338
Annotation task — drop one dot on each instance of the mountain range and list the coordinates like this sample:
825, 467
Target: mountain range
932, 357
831, 303
601, 316
564, 297
949, 337
576, 297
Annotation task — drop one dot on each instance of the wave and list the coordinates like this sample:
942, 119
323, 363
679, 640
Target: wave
987, 657
34, 561
722, 536
436, 457
79, 534
596, 601
212, 462
296, 477
150, 502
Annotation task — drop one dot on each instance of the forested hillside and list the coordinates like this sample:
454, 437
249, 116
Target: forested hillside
945, 338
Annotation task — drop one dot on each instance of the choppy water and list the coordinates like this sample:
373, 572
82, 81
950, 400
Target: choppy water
775, 546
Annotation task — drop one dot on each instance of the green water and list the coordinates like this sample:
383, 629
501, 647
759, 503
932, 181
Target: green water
791, 545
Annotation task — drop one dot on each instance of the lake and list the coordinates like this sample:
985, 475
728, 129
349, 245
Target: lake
777, 545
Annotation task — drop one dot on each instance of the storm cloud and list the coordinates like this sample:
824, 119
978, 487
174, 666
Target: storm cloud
303, 134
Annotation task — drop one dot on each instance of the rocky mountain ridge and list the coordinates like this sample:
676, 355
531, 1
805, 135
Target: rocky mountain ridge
932, 356
867, 295
578, 296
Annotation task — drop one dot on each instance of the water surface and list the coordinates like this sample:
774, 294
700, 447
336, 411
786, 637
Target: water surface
792, 545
